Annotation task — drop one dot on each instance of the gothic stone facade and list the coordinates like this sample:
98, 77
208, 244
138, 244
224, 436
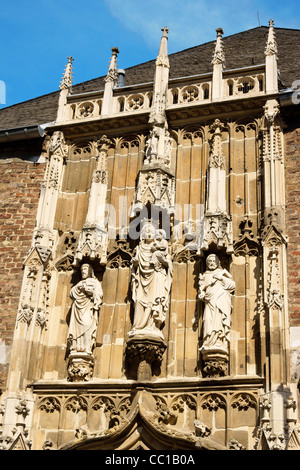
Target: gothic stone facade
158, 231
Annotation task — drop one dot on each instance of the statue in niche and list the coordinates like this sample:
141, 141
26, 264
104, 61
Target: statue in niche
87, 300
215, 290
152, 275
151, 148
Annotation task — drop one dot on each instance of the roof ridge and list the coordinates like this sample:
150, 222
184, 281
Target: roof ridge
173, 54
187, 49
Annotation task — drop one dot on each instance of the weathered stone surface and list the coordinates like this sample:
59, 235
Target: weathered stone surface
217, 158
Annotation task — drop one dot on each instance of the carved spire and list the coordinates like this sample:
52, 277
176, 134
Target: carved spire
67, 78
216, 156
111, 81
112, 74
157, 115
271, 47
271, 61
162, 58
218, 56
218, 62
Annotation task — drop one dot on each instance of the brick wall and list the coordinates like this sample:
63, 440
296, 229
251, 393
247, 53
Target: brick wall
292, 165
19, 194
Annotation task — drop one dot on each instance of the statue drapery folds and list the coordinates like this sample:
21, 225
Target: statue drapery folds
151, 283
87, 300
215, 290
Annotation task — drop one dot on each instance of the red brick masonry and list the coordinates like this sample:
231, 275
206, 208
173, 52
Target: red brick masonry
19, 194
292, 175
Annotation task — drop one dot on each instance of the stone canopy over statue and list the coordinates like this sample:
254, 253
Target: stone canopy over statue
151, 283
215, 290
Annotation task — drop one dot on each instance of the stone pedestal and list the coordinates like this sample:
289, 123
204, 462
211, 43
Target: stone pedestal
143, 354
80, 367
215, 363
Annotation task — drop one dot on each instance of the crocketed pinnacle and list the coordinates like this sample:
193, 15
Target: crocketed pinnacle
271, 47
162, 58
112, 74
218, 56
67, 78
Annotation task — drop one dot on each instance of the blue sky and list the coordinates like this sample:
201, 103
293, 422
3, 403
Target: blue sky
37, 36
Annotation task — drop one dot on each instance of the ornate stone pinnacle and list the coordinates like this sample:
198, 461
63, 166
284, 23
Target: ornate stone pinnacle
271, 47
67, 79
218, 56
162, 58
112, 74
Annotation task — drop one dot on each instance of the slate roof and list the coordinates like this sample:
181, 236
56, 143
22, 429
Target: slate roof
241, 50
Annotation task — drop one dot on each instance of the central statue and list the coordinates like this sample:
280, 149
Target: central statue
152, 275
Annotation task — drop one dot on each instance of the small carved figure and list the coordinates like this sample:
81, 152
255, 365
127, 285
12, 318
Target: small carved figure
160, 249
151, 148
87, 299
215, 290
151, 283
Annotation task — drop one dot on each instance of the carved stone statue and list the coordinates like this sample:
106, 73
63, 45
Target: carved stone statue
87, 299
151, 282
215, 290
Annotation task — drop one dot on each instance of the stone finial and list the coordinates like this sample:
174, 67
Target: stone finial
67, 78
271, 47
218, 56
112, 74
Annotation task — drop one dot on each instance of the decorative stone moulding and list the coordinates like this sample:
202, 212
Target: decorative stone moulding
157, 187
120, 255
134, 102
217, 231
247, 85
189, 94
85, 109
247, 243
92, 245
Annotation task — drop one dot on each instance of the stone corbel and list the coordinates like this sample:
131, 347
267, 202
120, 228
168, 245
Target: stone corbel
80, 367
142, 355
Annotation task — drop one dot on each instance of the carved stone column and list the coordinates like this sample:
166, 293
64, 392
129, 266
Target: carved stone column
93, 238
217, 222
